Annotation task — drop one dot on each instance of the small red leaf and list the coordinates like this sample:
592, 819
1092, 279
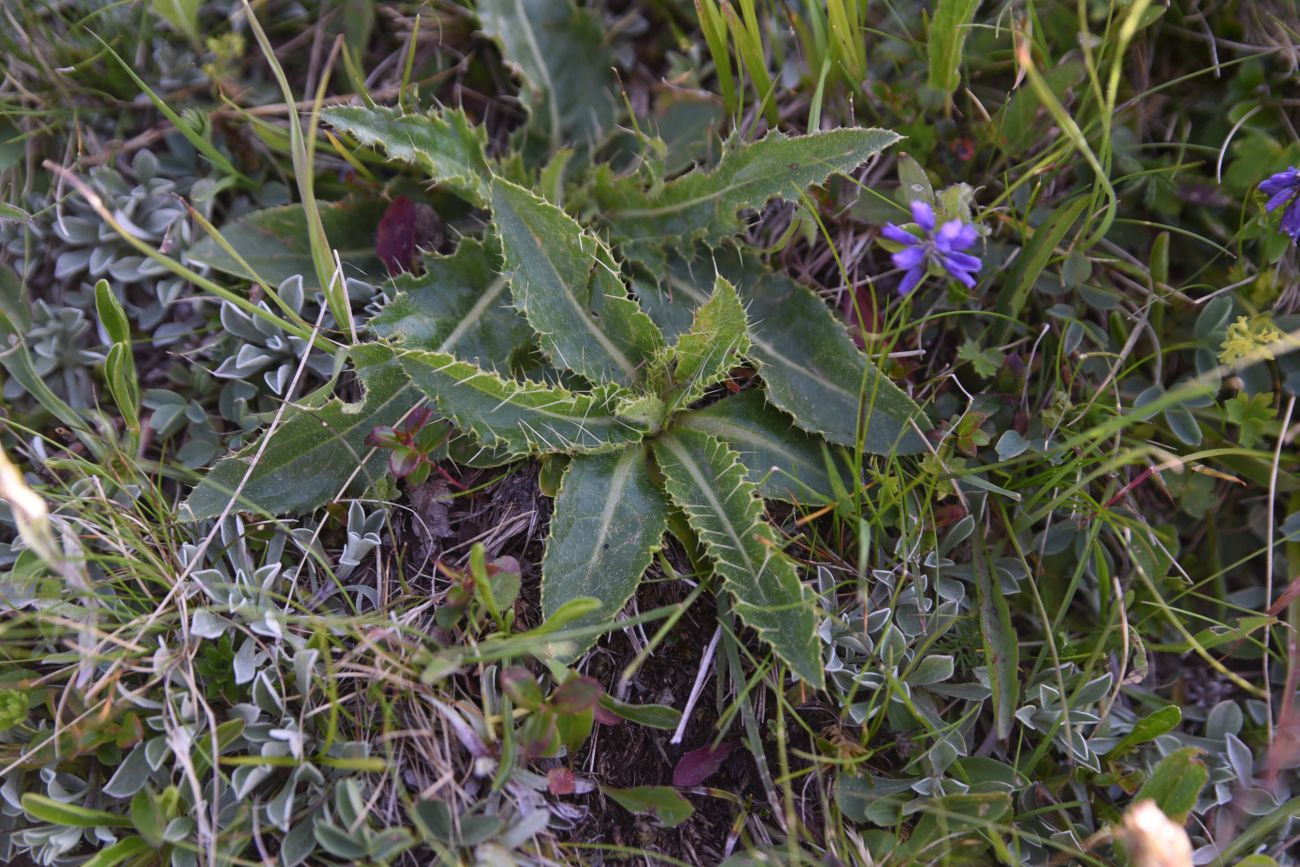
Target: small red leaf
698, 765
576, 695
519, 683
606, 717
561, 781
405, 228
403, 461
416, 419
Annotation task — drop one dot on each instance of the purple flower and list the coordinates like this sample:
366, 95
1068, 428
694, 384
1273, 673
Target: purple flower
942, 248
1284, 189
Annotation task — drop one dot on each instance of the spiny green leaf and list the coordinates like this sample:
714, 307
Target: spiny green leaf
521, 416
707, 481
274, 242
609, 518
783, 461
560, 51
948, 31
314, 452
671, 310
565, 281
459, 304
444, 144
810, 365
717, 339
703, 206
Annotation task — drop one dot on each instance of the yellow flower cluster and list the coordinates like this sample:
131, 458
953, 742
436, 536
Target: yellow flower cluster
1249, 339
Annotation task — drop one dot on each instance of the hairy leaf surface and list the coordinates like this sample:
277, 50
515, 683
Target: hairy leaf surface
948, 32
445, 144
717, 339
609, 518
458, 305
707, 481
274, 242
703, 206
565, 282
313, 454
810, 365
671, 310
560, 51
520, 417
783, 461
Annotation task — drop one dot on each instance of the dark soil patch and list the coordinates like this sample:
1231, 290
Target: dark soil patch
627, 755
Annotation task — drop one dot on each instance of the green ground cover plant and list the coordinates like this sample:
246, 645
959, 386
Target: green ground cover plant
584, 431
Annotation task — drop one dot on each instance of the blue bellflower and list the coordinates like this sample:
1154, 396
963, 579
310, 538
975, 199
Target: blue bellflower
942, 248
1284, 189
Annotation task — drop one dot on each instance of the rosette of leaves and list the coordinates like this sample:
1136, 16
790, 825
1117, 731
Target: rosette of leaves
151, 209
629, 399
56, 339
260, 347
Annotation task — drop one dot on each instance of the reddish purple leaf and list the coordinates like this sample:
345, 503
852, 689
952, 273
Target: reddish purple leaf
698, 765
403, 461
382, 437
416, 419
561, 781
606, 717
519, 683
576, 695
405, 228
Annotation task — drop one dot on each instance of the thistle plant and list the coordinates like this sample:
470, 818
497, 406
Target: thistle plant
630, 398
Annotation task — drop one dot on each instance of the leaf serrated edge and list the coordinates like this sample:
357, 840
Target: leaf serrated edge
601, 257
647, 555
757, 528
709, 230
453, 120
603, 397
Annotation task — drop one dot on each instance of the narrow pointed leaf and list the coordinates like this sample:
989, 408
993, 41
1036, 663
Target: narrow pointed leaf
703, 206
459, 304
783, 461
565, 281
609, 518
810, 365
948, 32
521, 417
1001, 645
707, 481
560, 52
444, 144
313, 453
717, 339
